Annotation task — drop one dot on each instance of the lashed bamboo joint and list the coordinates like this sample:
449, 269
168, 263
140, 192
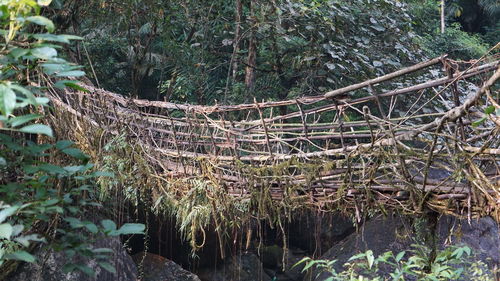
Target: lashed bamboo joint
393, 142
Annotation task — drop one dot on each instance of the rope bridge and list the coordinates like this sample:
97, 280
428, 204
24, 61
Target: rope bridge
409, 140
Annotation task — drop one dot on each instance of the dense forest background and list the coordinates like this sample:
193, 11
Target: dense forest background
193, 52
221, 51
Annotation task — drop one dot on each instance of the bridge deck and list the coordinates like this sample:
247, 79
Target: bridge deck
407, 139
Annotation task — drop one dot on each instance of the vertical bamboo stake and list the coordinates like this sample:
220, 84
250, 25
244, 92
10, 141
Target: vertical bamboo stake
456, 99
303, 117
265, 127
216, 149
341, 124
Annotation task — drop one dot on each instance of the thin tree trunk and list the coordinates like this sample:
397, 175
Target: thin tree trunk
237, 34
442, 16
252, 51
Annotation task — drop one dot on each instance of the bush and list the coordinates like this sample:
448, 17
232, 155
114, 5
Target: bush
41, 202
454, 42
448, 264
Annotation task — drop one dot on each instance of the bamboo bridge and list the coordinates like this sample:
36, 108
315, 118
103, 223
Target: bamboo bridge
410, 140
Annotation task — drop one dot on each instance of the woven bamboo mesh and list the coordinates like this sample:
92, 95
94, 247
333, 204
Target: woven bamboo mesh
408, 140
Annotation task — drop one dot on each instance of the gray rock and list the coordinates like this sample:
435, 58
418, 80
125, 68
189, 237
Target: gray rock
245, 267
396, 234
481, 235
50, 264
290, 272
318, 232
379, 235
158, 268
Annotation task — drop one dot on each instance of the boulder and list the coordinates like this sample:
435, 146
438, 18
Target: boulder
396, 234
49, 266
481, 235
318, 232
289, 272
244, 267
157, 268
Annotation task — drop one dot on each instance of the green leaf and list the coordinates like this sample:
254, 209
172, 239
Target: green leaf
49, 168
45, 53
91, 227
44, 3
7, 100
70, 83
108, 225
400, 256
131, 228
50, 202
309, 265
107, 266
76, 153
104, 174
6, 230
69, 267
42, 100
64, 144
467, 250
85, 269
56, 38
21, 256
43, 21
103, 251
29, 97
37, 129
20, 120
17, 229
7, 212
478, 122
51, 68
25, 240
75, 169
358, 256
74, 222
74, 73
490, 109
370, 258
18, 52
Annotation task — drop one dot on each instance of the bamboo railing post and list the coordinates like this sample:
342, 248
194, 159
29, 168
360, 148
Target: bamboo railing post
341, 124
215, 147
366, 113
174, 136
378, 101
264, 126
454, 88
303, 118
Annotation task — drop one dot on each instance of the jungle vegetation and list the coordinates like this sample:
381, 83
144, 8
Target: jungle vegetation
186, 51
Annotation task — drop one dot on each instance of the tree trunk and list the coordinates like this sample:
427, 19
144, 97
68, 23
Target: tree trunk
236, 43
252, 51
442, 16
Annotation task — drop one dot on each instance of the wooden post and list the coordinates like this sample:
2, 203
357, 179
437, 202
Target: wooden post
265, 127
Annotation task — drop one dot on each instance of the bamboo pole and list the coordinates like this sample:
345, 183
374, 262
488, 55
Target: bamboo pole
386, 77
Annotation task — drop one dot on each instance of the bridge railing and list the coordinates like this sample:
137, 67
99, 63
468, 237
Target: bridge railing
420, 141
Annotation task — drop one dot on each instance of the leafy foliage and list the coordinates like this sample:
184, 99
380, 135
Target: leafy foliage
191, 51
448, 264
303, 47
462, 17
454, 42
41, 200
